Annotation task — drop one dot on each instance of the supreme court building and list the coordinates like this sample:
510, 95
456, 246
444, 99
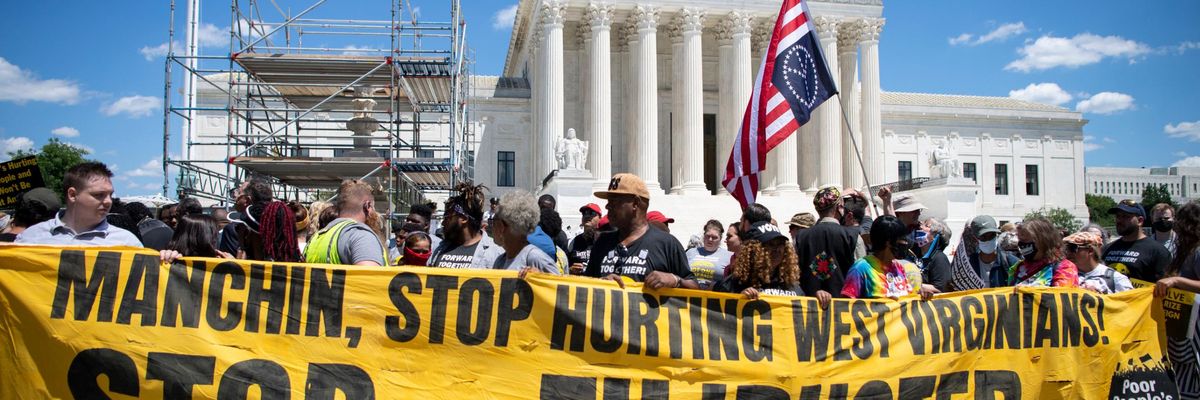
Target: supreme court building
658, 88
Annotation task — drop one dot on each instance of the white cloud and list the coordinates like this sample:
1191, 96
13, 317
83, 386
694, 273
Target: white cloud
1105, 103
1180, 154
1183, 47
999, 34
1193, 161
1044, 93
81, 146
503, 19
65, 131
210, 35
134, 106
13, 144
1083, 49
1089, 143
21, 86
1184, 130
150, 168
960, 39
156, 52
1109, 140
353, 50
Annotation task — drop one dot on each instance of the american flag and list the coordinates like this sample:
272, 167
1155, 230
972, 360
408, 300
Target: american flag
792, 81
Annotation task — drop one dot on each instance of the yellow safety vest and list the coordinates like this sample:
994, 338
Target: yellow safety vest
322, 248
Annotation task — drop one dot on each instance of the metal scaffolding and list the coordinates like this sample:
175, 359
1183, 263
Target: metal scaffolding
307, 116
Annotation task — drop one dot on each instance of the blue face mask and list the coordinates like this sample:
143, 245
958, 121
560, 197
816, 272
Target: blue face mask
921, 238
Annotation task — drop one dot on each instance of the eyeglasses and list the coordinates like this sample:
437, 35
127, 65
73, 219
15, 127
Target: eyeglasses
1072, 247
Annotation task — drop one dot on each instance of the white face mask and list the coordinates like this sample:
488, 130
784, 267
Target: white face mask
989, 247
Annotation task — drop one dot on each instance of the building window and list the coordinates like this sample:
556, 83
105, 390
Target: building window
506, 168
423, 153
1002, 179
1031, 180
969, 171
905, 170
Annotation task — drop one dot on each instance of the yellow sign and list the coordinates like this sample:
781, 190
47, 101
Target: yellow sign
94, 322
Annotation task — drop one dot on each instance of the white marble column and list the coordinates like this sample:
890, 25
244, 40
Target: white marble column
534, 164
691, 21
852, 173
629, 43
736, 78
872, 128
675, 35
786, 157
599, 18
552, 91
810, 171
646, 159
830, 138
760, 38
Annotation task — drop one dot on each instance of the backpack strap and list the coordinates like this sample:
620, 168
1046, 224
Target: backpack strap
1109, 277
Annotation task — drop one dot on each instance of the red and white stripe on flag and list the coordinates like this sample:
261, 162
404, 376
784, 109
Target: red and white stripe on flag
768, 118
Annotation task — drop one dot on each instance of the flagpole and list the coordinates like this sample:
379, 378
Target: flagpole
858, 153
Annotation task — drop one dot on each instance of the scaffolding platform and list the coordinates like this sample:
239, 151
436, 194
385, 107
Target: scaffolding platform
295, 113
319, 80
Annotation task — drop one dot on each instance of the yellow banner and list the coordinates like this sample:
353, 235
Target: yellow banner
95, 322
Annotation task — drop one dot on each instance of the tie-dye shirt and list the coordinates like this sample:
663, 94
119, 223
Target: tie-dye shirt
1062, 273
869, 278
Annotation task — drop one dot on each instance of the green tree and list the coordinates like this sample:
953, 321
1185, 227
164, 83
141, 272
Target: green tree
1154, 194
1060, 217
1098, 207
54, 159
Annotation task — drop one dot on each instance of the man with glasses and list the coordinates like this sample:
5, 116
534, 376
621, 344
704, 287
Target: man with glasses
635, 252
1135, 254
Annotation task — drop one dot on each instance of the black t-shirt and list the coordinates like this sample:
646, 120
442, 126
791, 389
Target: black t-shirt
654, 251
1142, 259
935, 270
825, 252
8, 237
734, 285
581, 249
458, 257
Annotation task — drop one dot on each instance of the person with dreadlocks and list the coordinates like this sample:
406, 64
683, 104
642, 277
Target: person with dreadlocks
277, 231
464, 244
349, 239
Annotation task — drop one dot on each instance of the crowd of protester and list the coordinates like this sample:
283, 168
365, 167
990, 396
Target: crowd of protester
840, 252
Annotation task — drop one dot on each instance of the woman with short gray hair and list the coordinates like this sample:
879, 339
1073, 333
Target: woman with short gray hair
516, 217
932, 239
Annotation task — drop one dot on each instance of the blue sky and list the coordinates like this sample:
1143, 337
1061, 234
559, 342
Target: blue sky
91, 73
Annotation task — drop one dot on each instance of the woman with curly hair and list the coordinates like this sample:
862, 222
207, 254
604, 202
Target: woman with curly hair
766, 264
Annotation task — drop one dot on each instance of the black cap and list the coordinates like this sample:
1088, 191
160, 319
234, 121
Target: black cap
764, 232
1129, 206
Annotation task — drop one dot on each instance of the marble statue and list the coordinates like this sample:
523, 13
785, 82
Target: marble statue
942, 164
571, 152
